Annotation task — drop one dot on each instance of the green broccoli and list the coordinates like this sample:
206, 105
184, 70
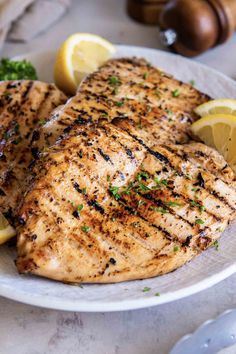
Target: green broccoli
17, 70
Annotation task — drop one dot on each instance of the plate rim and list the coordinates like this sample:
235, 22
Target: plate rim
52, 302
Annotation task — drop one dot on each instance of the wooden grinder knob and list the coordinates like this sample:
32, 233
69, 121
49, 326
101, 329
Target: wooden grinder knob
145, 11
192, 27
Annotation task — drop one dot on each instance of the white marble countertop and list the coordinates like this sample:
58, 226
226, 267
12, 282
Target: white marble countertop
29, 330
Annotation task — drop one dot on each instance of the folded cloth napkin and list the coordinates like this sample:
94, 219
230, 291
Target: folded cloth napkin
9, 11
22, 20
37, 18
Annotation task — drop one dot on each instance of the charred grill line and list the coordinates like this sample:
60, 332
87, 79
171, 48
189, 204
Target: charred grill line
160, 203
96, 206
101, 210
47, 93
208, 189
159, 156
18, 104
25, 94
188, 200
135, 212
105, 156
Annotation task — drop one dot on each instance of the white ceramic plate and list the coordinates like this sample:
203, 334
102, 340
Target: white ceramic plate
203, 272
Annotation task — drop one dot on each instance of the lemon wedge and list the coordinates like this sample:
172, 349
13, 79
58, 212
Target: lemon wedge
219, 132
79, 55
221, 106
6, 230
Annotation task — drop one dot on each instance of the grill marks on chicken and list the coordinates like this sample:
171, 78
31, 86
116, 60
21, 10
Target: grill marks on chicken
24, 105
134, 93
105, 207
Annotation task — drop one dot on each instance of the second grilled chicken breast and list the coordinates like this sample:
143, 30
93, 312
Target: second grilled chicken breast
24, 106
105, 207
131, 89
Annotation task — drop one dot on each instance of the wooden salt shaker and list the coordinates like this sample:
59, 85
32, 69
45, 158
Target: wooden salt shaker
192, 27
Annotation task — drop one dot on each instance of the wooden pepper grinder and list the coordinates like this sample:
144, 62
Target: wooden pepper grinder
191, 27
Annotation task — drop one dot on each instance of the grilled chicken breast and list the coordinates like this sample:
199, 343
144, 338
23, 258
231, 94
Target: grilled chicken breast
113, 197
130, 90
24, 105
105, 207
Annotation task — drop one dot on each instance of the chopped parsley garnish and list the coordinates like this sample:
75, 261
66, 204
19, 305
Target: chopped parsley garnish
104, 115
175, 93
142, 187
16, 128
146, 289
6, 94
192, 82
164, 182
115, 192
160, 181
142, 175
159, 209
83, 190
145, 75
193, 203
85, 228
42, 122
157, 294
17, 70
7, 135
169, 112
202, 208
140, 202
17, 140
194, 189
199, 222
80, 207
199, 206
114, 81
176, 248
119, 104
172, 204
216, 245
157, 92
108, 178
127, 191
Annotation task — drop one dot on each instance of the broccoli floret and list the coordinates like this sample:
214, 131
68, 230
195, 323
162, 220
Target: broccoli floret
17, 70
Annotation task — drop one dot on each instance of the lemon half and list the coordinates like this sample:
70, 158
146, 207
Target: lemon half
79, 55
6, 230
219, 132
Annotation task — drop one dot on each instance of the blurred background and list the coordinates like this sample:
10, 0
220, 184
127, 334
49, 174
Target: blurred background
29, 25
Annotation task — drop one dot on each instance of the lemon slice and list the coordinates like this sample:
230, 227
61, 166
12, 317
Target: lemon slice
219, 132
221, 106
79, 55
6, 230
